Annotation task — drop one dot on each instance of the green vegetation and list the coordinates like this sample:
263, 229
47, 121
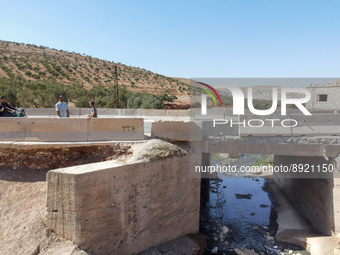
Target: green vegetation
26, 93
33, 76
268, 160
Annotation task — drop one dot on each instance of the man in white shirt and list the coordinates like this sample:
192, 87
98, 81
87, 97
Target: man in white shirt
62, 108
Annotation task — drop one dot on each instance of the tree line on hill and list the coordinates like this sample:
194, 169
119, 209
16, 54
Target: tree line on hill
44, 94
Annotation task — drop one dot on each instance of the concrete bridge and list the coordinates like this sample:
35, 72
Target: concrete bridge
119, 205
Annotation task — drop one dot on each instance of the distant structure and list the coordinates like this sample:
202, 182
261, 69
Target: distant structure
115, 87
324, 97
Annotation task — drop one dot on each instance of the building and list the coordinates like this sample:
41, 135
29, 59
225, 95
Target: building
324, 97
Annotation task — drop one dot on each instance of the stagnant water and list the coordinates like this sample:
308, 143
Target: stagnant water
237, 212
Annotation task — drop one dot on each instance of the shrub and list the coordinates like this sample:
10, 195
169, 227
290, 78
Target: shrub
196, 105
28, 73
36, 76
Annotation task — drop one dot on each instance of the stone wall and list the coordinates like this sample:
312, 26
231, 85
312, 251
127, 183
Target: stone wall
123, 208
332, 103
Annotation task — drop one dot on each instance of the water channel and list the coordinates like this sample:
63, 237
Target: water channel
237, 212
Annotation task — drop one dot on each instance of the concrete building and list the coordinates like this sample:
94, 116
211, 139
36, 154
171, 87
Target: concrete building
324, 97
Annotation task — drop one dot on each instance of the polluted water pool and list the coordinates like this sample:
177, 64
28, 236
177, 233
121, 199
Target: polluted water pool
237, 214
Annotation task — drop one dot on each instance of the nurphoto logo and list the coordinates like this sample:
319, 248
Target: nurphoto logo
238, 100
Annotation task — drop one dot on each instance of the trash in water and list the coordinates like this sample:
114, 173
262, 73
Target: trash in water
214, 250
225, 230
264, 206
247, 196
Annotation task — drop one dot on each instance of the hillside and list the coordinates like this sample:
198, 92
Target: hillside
39, 63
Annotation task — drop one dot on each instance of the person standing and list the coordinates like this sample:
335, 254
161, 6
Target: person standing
93, 111
5, 109
62, 108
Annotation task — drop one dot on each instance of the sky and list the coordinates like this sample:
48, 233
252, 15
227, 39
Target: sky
219, 38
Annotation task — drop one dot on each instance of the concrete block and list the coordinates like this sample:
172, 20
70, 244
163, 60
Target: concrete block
316, 131
74, 112
326, 119
40, 111
12, 129
115, 129
222, 129
151, 112
123, 112
101, 112
272, 125
85, 111
42, 129
73, 129
110, 112
316, 125
323, 245
54, 129
177, 113
215, 113
176, 131
53, 113
116, 207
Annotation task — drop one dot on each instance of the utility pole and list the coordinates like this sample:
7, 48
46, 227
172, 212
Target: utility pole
115, 87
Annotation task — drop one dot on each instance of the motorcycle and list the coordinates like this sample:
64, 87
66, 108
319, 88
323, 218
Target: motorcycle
21, 113
17, 113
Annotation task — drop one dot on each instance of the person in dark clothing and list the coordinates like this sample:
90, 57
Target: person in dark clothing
5, 109
93, 111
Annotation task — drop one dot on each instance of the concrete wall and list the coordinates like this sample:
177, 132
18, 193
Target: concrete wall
315, 198
12, 129
110, 129
76, 112
302, 146
71, 129
316, 125
176, 131
178, 113
117, 208
215, 113
52, 129
273, 127
41, 111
